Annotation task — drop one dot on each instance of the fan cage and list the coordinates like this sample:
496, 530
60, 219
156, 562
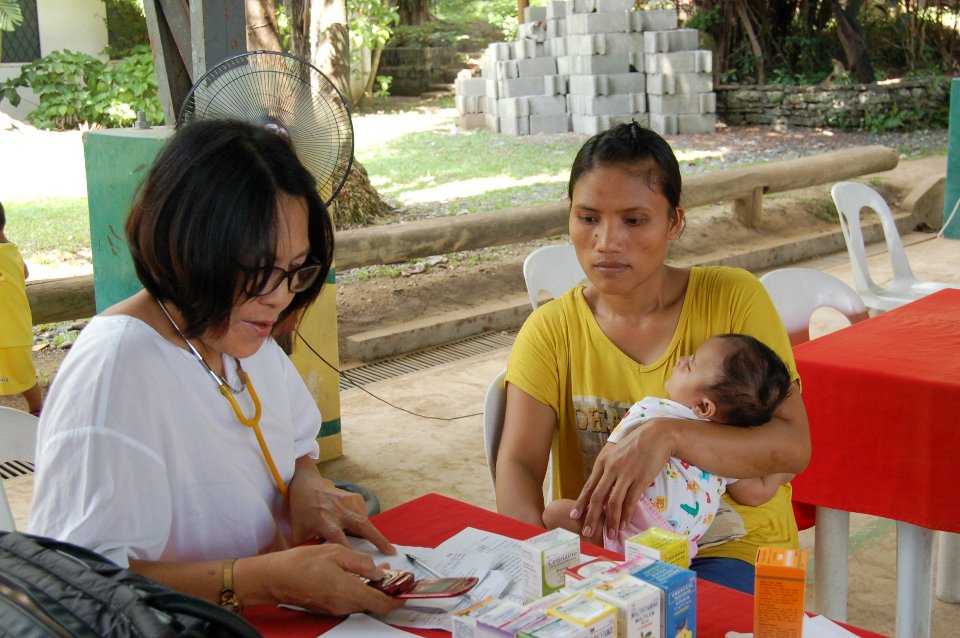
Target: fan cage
271, 88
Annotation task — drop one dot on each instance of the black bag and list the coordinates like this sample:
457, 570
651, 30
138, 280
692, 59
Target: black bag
50, 588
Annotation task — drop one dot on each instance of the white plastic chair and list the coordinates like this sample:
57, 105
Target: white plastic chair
494, 408
850, 198
798, 292
18, 441
554, 269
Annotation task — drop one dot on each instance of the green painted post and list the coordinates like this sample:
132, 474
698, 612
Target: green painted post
951, 193
117, 160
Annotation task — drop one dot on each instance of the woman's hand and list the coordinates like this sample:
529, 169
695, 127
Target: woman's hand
620, 474
319, 510
323, 578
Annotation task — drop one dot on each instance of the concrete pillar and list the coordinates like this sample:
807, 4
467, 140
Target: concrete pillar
951, 194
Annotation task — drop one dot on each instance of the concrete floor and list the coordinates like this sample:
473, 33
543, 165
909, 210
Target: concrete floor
399, 454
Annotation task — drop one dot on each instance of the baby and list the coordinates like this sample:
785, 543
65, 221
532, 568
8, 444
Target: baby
733, 379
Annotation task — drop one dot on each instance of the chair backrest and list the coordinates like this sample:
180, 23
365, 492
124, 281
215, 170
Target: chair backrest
554, 269
18, 441
850, 198
798, 292
494, 409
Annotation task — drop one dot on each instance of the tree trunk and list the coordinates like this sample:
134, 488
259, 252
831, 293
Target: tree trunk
415, 12
374, 65
318, 33
262, 30
358, 203
330, 41
298, 12
851, 39
754, 43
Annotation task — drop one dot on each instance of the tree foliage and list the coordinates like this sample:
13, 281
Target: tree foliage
808, 41
371, 25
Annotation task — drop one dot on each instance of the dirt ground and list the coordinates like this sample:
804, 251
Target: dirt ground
434, 285
366, 300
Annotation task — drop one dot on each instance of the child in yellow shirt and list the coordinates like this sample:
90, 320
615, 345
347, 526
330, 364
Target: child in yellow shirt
17, 374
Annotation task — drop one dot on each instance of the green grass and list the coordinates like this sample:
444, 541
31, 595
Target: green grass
470, 170
49, 229
476, 170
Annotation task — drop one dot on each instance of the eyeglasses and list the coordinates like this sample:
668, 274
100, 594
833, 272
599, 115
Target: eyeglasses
266, 280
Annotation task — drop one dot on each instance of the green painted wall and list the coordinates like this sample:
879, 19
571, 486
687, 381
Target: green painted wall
117, 160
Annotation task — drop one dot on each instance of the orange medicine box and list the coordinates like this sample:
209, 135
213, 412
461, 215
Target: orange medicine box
779, 589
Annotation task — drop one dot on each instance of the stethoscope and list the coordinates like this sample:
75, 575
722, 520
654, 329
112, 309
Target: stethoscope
251, 422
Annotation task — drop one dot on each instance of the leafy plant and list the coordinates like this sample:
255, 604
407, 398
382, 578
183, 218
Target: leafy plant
75, 88
11, 17
126, 27
283, 26
371, 24
508, 23
383, 86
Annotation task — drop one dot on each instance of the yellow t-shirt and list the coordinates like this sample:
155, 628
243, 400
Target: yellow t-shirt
564, 360
17, 326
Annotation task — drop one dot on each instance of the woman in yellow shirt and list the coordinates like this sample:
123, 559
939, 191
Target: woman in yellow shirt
580, 361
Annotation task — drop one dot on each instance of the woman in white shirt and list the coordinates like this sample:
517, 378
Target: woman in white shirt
148, 446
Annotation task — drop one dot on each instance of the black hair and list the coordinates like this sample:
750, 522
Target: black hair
752, 383
206, 219
630, 145
3, 218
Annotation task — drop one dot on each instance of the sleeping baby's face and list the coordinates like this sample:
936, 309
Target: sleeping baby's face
694, 373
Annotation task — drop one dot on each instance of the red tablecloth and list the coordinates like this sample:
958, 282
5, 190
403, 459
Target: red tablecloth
883, 398
431, 519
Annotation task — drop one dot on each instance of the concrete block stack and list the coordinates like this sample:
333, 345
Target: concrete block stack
586, 65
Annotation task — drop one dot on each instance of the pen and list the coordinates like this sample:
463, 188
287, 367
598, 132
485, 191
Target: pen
433, 572
427, 568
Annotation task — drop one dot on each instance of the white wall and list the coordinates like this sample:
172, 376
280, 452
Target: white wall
77, 25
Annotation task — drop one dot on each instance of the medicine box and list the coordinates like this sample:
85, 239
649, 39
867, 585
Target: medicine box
630, 566
660, 544
638, 606
544, 559
590, 568
527, 618
584, 585
494, 617
465, 621
533, 615
553, 627
598, 617
779, 590
547, 601
679, 587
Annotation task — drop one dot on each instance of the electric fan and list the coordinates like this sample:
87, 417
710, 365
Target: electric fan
288, 94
